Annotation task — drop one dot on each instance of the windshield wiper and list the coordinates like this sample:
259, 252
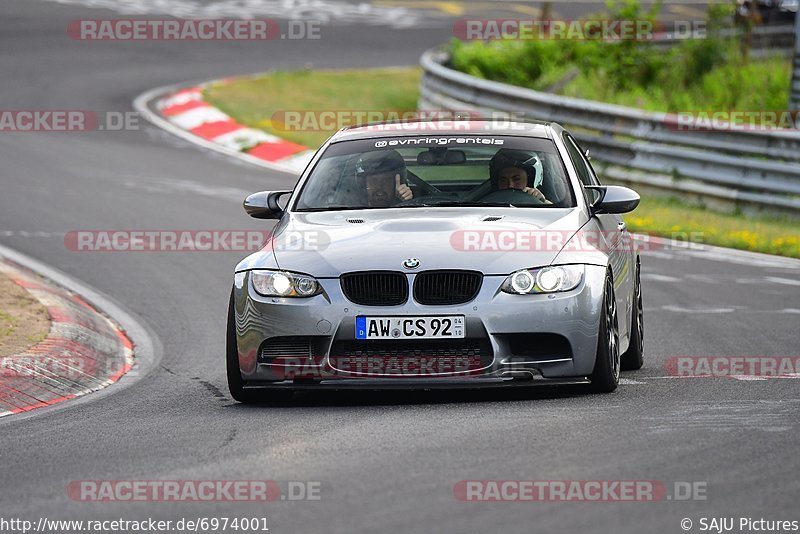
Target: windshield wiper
472, 204
444, 203
332, 208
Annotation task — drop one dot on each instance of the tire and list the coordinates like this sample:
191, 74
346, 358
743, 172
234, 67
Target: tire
605, 377
235, 382
633, 358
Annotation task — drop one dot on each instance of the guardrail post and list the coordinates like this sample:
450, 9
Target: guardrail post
794, 100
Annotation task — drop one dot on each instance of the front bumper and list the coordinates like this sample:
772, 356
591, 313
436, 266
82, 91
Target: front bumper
513, 331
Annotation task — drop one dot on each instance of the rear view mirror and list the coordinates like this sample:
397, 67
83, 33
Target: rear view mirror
441, 156
455, 157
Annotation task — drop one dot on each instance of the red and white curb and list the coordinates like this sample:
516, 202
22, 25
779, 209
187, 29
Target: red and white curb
186, 110
83, 352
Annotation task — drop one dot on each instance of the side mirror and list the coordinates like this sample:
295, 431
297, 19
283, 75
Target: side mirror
264, 204
614, 199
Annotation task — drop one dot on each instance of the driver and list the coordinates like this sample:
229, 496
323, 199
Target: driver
382, 174
513, 169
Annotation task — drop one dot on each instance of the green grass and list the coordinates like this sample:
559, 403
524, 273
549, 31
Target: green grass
256, 101
670, 218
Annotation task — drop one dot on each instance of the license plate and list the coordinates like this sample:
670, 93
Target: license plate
439, 327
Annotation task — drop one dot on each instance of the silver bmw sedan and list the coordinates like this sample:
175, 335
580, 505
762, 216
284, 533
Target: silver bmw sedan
439, 254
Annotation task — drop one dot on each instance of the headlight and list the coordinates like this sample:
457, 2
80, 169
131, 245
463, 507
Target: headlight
544, 280
284, 284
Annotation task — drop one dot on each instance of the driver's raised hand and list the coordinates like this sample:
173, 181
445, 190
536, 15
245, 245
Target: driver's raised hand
402, 190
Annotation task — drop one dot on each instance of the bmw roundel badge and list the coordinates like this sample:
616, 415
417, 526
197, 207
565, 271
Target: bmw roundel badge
411, 263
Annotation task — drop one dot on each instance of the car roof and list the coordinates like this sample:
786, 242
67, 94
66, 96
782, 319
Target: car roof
443, 127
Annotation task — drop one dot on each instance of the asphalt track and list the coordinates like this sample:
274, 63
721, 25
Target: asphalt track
387, 461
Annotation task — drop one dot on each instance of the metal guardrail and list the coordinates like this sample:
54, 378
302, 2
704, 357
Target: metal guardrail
752, 169
764, 40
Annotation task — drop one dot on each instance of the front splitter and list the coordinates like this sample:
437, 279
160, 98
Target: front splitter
414, 384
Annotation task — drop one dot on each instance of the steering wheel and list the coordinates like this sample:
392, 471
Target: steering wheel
511, 196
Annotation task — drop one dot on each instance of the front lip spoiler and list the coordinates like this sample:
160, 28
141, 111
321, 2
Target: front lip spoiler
414, 383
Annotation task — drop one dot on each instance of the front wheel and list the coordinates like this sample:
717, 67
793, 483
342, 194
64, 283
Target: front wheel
605, 377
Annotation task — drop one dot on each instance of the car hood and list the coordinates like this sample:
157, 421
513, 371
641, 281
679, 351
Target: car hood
491, 240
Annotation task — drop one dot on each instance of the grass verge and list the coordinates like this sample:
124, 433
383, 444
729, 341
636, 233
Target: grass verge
668, 217
23, 320
271, 101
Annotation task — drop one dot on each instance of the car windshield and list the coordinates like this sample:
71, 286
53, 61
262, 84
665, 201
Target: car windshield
437, 171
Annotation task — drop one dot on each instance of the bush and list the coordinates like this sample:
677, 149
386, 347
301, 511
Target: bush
702, 74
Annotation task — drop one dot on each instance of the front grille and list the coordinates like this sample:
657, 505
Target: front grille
441, 288
288, 347
537, 346
375, 288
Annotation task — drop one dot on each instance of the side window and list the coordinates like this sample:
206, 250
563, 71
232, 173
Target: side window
582, 167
